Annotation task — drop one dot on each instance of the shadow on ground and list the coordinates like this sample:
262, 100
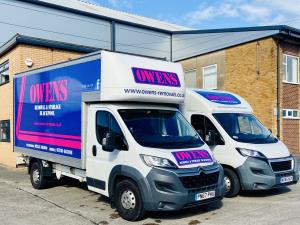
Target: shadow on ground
265, 193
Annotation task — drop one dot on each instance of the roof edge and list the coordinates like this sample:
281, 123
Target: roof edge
241, 29
23, 39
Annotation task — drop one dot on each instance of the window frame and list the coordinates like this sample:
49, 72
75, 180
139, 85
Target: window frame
7, 69
290, 117
191, 70
110, 116
206, 117
284, 63
203, 76
7, 140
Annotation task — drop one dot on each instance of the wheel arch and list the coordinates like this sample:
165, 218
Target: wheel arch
122, 172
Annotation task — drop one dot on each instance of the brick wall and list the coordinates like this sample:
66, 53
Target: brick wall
290, 100
251, 72
41, 57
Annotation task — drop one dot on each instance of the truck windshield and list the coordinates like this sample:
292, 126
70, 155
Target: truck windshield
245, 128
160, 128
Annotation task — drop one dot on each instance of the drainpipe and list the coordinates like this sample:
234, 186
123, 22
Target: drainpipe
171, 48
278, 89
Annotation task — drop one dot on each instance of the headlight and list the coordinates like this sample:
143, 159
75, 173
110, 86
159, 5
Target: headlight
251, 153
157, 162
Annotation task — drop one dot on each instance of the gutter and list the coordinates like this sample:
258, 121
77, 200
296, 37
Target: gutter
278, 90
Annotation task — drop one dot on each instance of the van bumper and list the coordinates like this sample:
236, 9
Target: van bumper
257, 174
167, 190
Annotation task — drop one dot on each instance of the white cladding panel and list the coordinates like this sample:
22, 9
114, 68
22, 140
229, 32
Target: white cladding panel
191, 45
142, 41
133, 78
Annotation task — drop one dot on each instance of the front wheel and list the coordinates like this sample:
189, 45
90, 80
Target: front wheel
129, 202
232, 183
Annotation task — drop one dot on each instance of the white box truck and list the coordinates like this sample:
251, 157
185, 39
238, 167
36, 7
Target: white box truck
252, 158
112, 121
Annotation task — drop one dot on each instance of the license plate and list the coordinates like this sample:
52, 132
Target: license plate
205, 195
286, 179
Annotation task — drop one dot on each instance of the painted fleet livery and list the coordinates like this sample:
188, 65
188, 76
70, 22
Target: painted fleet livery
253, 159
97, 119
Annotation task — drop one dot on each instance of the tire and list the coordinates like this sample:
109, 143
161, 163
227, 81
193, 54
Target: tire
128, 201
232, 183
38, 180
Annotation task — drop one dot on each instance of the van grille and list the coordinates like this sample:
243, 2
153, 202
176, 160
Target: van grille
281, 166
200, 180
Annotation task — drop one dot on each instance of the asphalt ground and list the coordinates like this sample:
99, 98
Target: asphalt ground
69, 202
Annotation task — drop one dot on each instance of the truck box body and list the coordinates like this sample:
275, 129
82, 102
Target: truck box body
48, 102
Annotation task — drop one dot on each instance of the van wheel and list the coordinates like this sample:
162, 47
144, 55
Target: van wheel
232, 183
128, 201
38, 181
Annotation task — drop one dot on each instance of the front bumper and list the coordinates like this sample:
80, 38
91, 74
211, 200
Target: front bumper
257, 174
167, 192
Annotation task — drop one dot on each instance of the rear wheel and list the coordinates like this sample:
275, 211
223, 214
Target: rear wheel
38, 180
232, 183
128, 201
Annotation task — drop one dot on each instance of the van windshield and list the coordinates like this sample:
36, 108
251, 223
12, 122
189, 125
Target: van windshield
245, 128
160, 128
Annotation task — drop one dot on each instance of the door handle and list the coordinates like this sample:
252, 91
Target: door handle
94, 150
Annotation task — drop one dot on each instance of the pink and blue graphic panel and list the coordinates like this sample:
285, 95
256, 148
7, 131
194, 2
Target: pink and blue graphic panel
48, 108
189, 157
220, 98
155, 77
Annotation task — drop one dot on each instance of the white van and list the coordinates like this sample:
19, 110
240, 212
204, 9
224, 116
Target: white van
112, 120
252, 158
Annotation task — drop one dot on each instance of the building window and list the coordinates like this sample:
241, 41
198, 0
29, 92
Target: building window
191, 78
290, 66
290, 113
210, 77
4, 131
4, 76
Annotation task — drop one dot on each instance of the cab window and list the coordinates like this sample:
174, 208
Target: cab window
106, 123
203, 125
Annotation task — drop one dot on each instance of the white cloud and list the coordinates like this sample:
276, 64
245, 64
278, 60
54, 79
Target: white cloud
120, 4
259, 12
208, 12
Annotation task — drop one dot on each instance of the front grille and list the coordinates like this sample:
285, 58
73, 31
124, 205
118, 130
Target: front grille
200, 180
281, 166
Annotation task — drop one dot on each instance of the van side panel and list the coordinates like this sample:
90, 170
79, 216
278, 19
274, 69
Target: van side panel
47, 107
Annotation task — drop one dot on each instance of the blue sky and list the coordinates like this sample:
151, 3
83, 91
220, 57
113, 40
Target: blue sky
209, 14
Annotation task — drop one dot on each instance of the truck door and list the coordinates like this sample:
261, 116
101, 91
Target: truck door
100, 162
203, 125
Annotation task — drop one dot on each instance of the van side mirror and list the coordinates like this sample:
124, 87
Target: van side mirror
113, 141
210, 138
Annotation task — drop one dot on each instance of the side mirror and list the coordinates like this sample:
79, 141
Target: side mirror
112, 142
109, 143
210, 138
270, 131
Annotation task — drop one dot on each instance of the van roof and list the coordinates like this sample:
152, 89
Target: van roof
212, 101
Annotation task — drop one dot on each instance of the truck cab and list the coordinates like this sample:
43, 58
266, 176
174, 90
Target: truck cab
112, 120
252, 157
141, 158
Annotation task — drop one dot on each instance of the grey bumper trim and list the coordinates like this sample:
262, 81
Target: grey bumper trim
257, 174
167, 193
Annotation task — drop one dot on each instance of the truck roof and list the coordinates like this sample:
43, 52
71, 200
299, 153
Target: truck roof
128, 77
213, 101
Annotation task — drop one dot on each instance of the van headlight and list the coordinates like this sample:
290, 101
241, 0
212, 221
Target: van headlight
154, 161
251, 153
